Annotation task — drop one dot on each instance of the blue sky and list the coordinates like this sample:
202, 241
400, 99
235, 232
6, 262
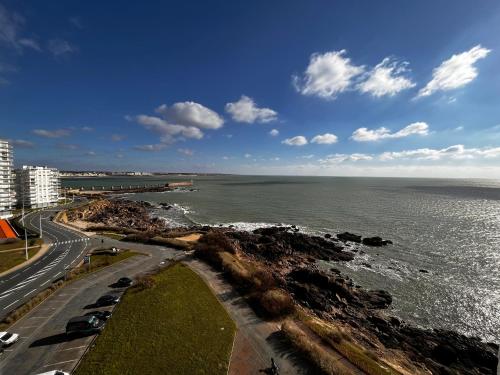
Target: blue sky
388, 88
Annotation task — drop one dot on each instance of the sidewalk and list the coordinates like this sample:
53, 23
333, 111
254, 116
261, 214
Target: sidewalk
257, 341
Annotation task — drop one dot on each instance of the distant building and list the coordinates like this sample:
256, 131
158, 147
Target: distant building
37, 187
7, 190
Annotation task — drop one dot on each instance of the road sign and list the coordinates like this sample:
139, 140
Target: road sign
86, 259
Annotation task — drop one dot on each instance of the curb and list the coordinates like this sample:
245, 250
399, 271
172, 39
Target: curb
43, 249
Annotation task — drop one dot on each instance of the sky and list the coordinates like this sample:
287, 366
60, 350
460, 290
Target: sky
362, 88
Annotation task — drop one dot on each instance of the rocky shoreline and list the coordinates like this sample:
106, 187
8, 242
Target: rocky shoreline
291, 258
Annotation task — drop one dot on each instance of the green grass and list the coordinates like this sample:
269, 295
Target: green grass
11, 259
177, 327
97, 261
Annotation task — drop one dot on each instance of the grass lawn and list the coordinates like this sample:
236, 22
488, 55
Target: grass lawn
98, 261
11, 259
177, 327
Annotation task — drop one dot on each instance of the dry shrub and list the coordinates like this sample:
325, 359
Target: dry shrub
172, 242
276, 303
210, 245
145, 282
263, 280
321, 358
234, 269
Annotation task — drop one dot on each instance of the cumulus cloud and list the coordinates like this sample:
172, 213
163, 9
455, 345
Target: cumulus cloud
386, 78
325, 139
245, 110
58, 133
372, 135
185, 151
90, 153
181, 120
327, 75
150, 148
299, 140
191, 114
59, 47
274, 132
247, 156
341, 158
456, 72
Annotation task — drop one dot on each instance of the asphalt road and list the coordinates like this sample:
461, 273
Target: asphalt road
67, 248
43, 346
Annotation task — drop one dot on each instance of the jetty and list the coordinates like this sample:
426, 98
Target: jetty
124, 189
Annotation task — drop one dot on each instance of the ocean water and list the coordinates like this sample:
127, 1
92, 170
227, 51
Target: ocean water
449, 227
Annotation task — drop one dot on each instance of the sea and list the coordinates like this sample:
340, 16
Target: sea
443, 269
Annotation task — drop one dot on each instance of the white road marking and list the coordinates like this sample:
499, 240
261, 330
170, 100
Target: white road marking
76, 347
29, 292
60, 363
11, 304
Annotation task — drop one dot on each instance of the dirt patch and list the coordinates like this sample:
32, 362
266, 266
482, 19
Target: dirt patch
190, 238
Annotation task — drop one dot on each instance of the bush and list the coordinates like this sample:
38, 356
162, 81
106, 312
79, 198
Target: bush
145, 282
276, 303
263, 280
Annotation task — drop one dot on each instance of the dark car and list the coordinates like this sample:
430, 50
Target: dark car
84, 325
107, 300
124, 281
101, 315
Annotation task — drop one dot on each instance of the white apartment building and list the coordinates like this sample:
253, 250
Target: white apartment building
37, 187
7, 190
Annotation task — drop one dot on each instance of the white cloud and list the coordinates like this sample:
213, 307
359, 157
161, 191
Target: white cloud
191, 114
90, 153
247, 156
67, 146
58, 133
456, 72
456, 152
386, 78
185, 151
151, 148
60, 47
299, 140
325, 139
245, 110
21, 143
341, 158
11, 24
371, 135
181, 120
327, 75
87, 129
274, 132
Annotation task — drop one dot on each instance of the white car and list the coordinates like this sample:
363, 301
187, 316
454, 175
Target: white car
54, 372
7, 338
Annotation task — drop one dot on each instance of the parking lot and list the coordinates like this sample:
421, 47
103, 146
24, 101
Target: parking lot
43, 345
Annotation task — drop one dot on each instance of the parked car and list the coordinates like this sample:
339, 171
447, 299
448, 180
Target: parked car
124, 281
85, 325
54, 372
102, 315
107, 300
7, 338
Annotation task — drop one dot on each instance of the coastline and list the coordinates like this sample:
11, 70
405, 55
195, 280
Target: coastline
360, 312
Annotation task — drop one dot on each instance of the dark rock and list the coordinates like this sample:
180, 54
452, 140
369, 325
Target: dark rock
375, 241
367, 265
423, 271
346, 236
444, 354
328, 235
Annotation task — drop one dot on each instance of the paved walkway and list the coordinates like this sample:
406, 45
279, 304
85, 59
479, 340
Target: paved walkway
257, 341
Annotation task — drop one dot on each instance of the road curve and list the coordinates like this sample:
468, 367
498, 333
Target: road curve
67, 247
